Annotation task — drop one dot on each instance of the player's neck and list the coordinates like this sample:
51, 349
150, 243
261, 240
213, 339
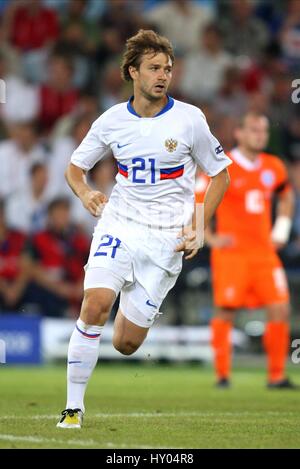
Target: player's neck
146, 108
250, 155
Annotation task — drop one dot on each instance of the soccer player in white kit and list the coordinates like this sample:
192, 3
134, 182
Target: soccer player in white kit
149, 220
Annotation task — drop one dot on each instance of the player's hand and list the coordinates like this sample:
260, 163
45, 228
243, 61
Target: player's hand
191, 242
219, 240
94, 202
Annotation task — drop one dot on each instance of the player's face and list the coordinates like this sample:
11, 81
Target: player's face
154, 76
254, 134
59, 218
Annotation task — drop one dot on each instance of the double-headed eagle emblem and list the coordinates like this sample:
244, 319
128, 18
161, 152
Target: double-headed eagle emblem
171, 145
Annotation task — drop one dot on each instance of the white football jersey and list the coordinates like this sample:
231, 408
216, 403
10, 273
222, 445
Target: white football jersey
157, 159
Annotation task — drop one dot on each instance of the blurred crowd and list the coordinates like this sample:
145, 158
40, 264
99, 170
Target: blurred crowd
60, 63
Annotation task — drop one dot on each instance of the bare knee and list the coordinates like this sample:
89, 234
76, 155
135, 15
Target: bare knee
96, 306
125, 347
279, 312
227, 314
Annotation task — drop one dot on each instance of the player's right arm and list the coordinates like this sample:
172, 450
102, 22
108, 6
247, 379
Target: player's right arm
91, 199
92, 149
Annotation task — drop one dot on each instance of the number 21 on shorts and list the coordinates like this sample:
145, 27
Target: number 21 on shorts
108, 241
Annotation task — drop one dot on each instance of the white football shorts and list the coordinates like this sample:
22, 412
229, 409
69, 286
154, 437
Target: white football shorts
138, 262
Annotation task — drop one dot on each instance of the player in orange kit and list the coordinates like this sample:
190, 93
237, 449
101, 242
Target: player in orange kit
246, 270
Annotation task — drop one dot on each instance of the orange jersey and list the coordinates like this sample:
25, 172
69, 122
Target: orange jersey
245, 212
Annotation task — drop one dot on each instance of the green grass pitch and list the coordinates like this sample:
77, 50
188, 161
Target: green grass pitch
149, 406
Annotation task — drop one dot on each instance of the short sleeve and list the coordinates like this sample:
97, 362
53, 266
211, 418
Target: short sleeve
282, 183
92, 148
206, 149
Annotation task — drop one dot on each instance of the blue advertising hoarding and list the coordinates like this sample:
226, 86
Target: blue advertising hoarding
20, 339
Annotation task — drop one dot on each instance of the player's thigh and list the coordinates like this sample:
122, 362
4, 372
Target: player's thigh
108, 267
226, 314
278, 312
230, 280
270, 283
108, 251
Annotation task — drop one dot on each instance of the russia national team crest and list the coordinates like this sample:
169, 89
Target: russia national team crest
171, 145
267, 177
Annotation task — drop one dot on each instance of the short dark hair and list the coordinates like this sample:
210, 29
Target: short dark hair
58, 54
255, 114
36, 167
59, 202
145, 41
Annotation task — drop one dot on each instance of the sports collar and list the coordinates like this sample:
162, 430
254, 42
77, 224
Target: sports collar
166, 108
244, 162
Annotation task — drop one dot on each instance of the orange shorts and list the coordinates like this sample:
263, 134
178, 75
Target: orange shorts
243, 280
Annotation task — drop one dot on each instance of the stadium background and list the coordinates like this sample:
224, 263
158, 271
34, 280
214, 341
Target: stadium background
60, 62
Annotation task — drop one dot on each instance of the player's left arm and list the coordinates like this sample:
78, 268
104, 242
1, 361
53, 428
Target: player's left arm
284, 213
209, 155
193, 235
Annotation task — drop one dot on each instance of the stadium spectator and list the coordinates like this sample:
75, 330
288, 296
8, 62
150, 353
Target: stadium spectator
174, 17
87, 29
122, 16
271, 14
31, 25
281, 105
110, 48
87, 107
119, 20
32, 28
291, 254
212, 60
289, 35
281, 110
17, 90
72, 44
112, 87
243, 33
10, 54
58, 96
14, 267
79, 39
291, 138
17, 155
62, 148
26, 209
58, 255
259, 102
231, 99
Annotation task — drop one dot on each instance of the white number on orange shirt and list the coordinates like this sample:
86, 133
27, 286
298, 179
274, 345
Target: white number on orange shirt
254, 201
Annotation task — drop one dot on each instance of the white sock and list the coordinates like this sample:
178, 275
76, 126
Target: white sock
83, 354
